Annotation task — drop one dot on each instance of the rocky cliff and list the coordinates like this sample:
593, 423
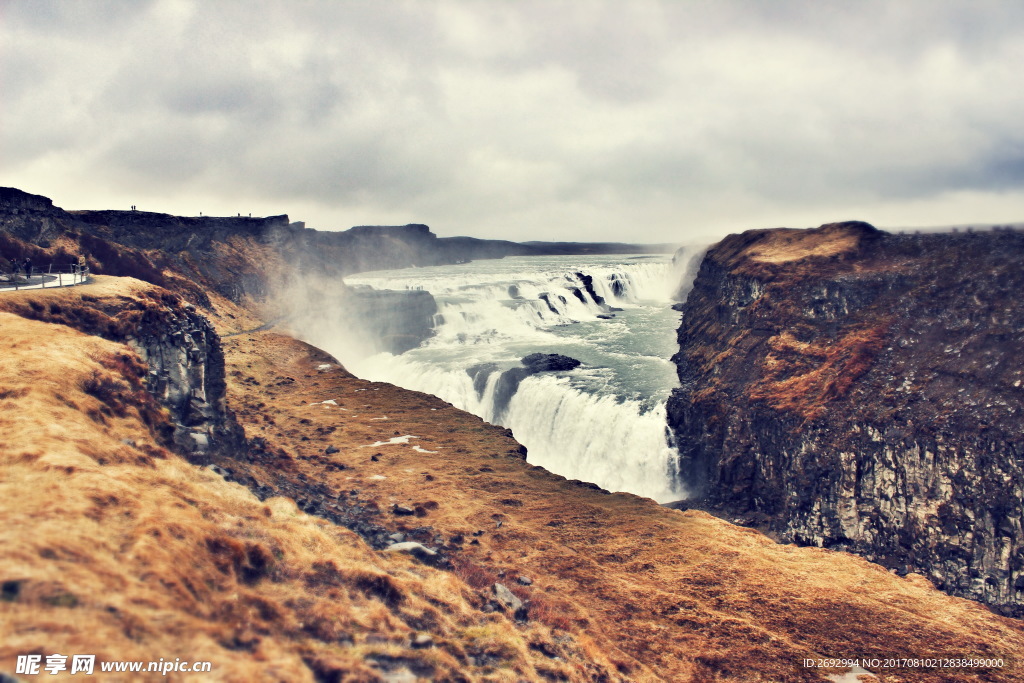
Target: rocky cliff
851, 389
268, 263
242, 256
182, 360
379, 534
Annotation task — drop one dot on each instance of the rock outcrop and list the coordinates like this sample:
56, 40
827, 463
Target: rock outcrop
186, 375
184, 361
847, 388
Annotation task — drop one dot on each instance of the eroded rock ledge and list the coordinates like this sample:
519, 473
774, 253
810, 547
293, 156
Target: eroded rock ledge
182, 354
857, 390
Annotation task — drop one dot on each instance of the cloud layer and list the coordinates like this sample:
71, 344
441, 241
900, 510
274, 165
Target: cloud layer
640, 121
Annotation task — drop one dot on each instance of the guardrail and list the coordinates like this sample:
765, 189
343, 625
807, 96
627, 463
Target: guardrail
53, 276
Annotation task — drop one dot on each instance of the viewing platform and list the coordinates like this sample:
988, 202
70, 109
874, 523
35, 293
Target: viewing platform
65, 277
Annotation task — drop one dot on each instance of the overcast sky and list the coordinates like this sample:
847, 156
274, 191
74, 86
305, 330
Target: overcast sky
587, 120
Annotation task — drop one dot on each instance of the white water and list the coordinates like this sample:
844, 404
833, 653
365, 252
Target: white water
603, 422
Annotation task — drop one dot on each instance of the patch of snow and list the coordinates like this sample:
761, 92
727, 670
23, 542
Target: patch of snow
392, 441
378, 418
378, 477
422, 450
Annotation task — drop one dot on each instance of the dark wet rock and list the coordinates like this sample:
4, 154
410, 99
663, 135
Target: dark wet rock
507, 386
588, 285
480, 374
331, 450
618, 286
525, 581
534, 363
546, 298
549, 362
403, 510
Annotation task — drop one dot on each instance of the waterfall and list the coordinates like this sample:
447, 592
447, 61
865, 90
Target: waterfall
603, 422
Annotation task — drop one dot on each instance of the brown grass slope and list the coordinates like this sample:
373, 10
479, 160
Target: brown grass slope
118, 547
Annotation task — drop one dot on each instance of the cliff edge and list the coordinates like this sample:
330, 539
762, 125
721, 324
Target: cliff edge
847, 388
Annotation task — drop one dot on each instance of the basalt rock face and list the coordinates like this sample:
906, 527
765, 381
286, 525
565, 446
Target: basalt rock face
186, 375
858, 390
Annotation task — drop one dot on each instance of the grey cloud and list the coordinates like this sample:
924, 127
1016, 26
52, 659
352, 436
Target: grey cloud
481, 116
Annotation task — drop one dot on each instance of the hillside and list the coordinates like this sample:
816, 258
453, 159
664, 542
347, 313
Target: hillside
847, 388
621, 588
177, 486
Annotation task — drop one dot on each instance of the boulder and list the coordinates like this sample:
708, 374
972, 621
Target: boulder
549, 362
507, 598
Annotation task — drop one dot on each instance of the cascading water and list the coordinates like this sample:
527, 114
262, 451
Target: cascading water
602, 422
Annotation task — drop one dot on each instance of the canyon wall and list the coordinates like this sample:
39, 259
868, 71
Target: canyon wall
240, 256
847, 388
271, 264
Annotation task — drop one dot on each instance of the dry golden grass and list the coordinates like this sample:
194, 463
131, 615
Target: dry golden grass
782, 245
126, 551
804, 378
661, 594
129, 552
